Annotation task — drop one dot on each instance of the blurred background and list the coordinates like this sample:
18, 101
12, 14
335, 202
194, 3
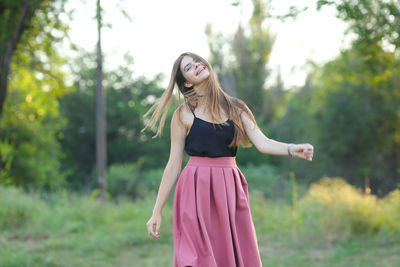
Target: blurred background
78, 178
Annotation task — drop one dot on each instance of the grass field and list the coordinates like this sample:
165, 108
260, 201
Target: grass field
332, 225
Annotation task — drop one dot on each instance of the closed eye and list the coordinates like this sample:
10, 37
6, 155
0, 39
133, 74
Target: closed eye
187, 67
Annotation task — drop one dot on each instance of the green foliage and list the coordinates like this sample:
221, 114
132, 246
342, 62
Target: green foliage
241, 62
100, 194
125, 179
359, 118
127, 99
6, 151
30, 121
151, 179
29, 130
11, 14
273, 185
17, 210
42, 13
358, 97
374, 22
28, 28
331, 211
348, 109
391, 212
298, 124
252, 53
336, 210
270, 217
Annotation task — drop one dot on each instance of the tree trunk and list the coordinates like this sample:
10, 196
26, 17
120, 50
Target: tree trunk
12, 36
100, 115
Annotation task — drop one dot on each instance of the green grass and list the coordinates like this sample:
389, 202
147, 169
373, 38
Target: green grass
332, 225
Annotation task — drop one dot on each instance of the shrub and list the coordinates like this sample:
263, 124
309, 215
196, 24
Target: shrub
125, 179
151, 180
266, 178
268, 216
391, 211
335, 210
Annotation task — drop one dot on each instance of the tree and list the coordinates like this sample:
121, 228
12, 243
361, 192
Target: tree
128, 98
101, 140
251, 57
297, 123
30, 122
369, 87
247, 71
29, 29
360, 118
349, 110
373, 21
220, 48
16, 19
273, 104
354, 107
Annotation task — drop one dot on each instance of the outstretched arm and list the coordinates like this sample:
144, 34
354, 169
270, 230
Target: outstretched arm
269, 146
171, 173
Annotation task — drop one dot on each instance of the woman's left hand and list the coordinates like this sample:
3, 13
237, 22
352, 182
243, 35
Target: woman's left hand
304, 151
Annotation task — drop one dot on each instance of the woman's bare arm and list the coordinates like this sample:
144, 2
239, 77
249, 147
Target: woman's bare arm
171, 172
269, 146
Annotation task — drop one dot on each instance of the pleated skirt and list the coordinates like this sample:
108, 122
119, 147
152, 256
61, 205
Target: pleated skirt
212, 223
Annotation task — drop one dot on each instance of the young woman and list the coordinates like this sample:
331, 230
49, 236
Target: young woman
212, 224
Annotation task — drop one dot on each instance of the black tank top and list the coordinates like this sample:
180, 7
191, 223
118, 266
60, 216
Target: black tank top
207, 139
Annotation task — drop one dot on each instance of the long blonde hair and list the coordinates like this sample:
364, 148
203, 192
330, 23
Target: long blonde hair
214, 99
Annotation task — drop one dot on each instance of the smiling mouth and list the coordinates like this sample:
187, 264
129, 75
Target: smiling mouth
203, 68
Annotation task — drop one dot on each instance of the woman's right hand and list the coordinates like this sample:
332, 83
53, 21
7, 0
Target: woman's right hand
155, 220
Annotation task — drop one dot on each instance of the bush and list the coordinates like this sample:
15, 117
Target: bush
336, 210
270, 216
125, 179
151, 180
391, 211
266, 178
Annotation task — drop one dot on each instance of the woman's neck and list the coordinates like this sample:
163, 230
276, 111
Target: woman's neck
201, 89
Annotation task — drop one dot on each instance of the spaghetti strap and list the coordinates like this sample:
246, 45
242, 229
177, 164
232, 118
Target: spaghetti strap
192, 111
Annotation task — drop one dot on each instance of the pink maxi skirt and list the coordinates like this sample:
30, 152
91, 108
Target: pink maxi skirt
212, 223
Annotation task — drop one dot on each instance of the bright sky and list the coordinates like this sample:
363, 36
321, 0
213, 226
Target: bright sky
161, 30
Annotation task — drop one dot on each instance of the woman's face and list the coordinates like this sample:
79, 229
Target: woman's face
195, 72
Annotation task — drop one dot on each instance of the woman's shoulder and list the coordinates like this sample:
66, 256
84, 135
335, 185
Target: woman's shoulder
243, 109
238, 103
184, 114
183, 109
